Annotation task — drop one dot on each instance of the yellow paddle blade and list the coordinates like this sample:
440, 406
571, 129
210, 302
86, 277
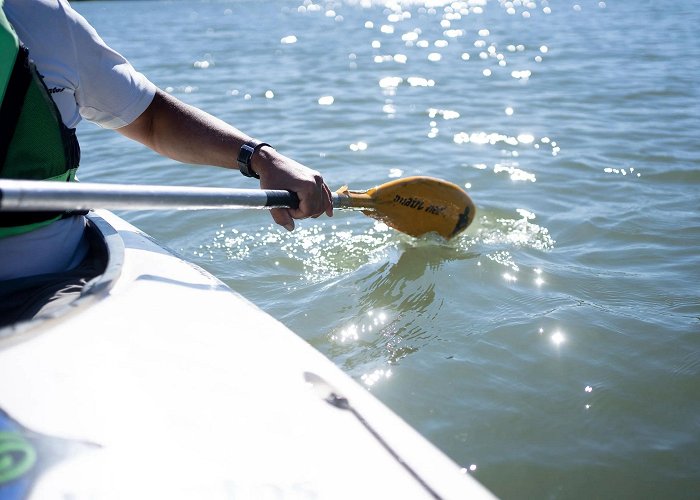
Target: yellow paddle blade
415, 205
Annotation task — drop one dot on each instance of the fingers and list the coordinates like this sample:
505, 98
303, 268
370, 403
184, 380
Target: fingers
279, 172
323, 204
282, 217
328, 200
314, 199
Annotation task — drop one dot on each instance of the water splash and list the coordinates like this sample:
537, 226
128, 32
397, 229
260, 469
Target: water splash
497, 237
515, 232
323, 251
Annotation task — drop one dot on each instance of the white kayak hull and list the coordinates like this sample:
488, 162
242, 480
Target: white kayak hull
164, 383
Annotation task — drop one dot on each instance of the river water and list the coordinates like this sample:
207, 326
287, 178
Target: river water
553, 349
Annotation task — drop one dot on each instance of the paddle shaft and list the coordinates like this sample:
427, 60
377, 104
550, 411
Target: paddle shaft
414, 205
22, 196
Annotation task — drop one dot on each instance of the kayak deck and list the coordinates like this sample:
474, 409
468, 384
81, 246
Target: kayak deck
168, 383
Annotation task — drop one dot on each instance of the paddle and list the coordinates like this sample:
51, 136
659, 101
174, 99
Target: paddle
413, 205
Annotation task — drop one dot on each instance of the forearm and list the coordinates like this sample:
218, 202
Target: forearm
185, 133
190, 135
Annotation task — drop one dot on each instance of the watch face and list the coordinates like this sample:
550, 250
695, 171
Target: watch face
244, 157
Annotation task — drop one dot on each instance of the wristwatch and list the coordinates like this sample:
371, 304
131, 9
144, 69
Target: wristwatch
245, 156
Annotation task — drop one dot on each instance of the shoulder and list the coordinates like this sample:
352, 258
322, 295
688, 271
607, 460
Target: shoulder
40, 23
33, 12
47, 28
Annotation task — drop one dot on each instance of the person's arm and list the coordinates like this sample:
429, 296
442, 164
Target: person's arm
188, 134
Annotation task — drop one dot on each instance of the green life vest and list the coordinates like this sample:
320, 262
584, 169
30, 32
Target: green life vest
34, 142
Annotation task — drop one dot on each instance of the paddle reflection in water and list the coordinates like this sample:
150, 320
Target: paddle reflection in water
388, 311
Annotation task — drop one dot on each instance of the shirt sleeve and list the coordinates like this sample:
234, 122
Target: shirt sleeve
109, 91
87, 78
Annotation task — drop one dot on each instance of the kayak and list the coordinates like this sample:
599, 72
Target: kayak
162, 382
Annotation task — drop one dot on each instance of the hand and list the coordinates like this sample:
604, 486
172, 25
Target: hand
276, 171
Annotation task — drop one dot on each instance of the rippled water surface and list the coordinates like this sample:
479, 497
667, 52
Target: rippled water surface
553, 349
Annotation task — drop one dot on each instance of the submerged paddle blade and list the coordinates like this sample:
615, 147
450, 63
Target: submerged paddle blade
415, 205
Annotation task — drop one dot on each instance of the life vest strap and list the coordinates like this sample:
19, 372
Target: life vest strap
34, 141
11, 107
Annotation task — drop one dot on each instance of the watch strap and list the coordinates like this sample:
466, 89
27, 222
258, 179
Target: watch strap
245, 155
